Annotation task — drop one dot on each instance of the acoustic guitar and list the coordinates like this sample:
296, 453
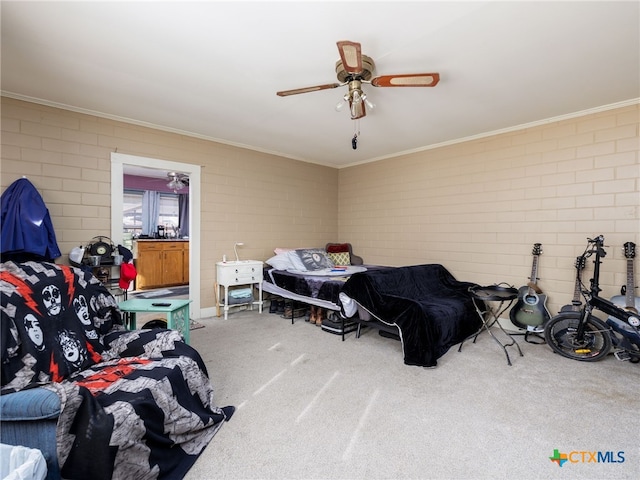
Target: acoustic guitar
530, 312
626, 299
576, 303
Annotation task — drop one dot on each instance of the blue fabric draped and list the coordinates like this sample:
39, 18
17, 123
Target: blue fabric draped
27, 230
183, 219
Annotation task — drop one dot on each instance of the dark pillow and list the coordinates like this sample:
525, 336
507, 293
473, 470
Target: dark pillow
338, 248
314, 258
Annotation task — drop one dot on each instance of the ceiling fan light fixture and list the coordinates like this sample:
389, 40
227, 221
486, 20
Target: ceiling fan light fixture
340, 105
175, 185
177, 181
357, 107
368, 102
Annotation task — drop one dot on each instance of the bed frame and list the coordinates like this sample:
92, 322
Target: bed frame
274, 283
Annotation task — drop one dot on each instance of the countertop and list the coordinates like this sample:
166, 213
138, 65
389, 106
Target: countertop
160, 239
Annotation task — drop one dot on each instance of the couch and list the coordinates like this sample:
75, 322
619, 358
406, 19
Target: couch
98, 400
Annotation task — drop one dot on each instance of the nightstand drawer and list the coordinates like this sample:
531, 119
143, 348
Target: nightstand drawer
244, 270
242, 279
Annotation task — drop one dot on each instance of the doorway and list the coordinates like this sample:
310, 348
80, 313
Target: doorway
119, 162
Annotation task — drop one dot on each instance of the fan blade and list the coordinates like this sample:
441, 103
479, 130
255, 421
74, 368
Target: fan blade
296, 91
350, 55
408, 80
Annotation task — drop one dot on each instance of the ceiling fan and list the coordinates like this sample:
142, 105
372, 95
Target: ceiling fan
177, 181
355, 69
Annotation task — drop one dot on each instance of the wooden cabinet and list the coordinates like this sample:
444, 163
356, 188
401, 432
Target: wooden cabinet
161, 263
172, 263
149, 265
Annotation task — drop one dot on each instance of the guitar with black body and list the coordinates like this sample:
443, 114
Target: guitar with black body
627, 298
576, 303
530, 312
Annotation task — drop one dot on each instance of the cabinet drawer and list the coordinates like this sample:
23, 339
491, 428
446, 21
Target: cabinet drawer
233, 278
172, 246
243, 279
245, 270
230, 274
149, 246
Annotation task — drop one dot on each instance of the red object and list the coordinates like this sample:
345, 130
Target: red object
338, 248
127, 275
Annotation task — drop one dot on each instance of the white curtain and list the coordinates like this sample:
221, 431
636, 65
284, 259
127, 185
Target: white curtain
150, 211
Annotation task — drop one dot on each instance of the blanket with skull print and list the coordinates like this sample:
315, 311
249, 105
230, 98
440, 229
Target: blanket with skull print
135, 404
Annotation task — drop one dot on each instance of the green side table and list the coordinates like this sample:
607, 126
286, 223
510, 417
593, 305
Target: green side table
177, 312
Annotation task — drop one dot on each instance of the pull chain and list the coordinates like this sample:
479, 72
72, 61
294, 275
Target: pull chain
356, 132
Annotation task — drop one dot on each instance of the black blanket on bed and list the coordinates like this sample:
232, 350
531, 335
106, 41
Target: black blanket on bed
432, 310
322, 288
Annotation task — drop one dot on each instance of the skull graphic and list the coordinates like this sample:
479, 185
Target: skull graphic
82, 309
52, 299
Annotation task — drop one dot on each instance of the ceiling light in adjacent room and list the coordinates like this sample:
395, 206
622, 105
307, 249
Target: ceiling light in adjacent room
178, 181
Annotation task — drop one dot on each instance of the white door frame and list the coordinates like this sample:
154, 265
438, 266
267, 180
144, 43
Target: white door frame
117, 189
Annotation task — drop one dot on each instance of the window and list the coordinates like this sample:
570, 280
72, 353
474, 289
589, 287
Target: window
168, 214
132, 212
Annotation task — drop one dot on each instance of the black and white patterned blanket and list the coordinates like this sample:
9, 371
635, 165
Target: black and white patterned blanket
136, 404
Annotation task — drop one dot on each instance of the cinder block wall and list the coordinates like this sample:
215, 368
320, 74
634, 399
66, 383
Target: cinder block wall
479, 206
263, 200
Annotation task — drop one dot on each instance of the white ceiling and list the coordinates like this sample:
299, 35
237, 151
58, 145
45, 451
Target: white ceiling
212, 69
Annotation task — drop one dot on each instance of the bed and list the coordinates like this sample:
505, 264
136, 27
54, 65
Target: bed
431, 310
422, 305
315, 276
321, 289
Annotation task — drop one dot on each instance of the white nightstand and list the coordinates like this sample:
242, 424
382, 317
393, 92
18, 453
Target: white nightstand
231, 274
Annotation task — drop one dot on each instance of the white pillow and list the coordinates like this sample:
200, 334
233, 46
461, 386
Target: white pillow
280, 262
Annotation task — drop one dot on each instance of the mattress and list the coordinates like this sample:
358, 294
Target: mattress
311, 287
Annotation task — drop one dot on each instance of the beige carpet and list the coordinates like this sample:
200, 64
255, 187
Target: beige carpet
311, 406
